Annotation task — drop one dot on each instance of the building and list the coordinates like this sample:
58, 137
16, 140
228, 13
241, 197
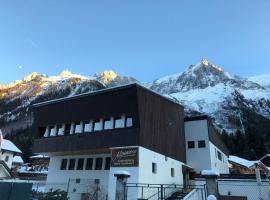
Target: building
239, 165
204, 148
94, 135
8, 152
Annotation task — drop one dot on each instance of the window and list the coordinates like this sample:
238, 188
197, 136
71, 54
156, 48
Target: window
172, 172
60, 130
154, 168
6, 158
89, 164
78, 128
71, 164
119, 122
219, 155
129, 122
191, 144
67, 129
63, 164
107, 163
107, 124
80, 164
97, 125
98, 165
43, 131
87, 126
52, 131
201, 143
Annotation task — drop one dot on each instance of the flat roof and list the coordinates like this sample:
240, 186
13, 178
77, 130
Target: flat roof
102, 91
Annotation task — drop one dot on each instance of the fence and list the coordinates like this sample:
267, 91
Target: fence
244, 189
164, 191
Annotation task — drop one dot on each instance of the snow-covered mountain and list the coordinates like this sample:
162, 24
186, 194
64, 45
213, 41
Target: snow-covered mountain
263, 80
233, 102
16, 97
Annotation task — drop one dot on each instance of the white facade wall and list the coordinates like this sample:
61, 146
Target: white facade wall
247, 188
198, 158
222, 166
203, 158
58, 179
10, 159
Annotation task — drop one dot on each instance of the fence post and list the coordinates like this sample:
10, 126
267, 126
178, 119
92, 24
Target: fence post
161, 194
211, 185
121, 180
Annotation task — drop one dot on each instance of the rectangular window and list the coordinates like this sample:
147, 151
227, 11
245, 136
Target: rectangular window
129, 122
201, 143
98, 165
172, 172
71, 164
89, 164
219, 155
97, 125
154, 168
80, 164
6, 158
87, 127
191, 144
78, 128
67, 129
52, 131
63, 164
60, 130
119, 122
107, 124
107, 163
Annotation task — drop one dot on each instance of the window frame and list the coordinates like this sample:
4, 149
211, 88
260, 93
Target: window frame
64, 164
115, 120
80, 164
191, 146
104, 124
72, 167
201, 144
101, 164
154, 168
126, 122
94, 125
107, 163
87, 162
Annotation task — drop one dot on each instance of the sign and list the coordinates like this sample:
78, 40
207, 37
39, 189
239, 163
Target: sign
125, 157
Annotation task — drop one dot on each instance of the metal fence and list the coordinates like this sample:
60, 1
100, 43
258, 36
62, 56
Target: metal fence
163, 191
244, 190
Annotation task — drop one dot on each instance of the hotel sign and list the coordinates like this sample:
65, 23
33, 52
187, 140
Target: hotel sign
125, 157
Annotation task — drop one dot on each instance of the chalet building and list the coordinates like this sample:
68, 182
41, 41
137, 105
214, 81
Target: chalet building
8, 157
95, 135
204, 148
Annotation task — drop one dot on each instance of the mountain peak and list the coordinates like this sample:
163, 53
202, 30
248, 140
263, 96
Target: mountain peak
205, 64
107, 76
30, 77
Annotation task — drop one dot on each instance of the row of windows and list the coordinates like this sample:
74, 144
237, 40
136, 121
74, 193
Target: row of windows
88, 126
154, 169
201, 144
86, 164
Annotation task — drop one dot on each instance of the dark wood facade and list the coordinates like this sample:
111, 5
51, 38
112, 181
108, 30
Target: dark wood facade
158, 123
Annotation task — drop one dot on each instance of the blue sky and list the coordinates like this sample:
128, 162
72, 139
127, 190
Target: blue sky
145, 39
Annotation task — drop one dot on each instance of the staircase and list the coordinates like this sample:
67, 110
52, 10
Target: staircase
177, 195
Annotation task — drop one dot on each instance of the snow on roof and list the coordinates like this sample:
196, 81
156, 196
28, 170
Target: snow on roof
17, 159
210, 173
9, 146
242, 161
39, 156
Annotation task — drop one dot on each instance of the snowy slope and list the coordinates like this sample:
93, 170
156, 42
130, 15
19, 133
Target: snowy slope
263, 80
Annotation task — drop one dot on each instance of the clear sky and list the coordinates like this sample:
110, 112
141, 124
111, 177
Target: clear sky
145, 39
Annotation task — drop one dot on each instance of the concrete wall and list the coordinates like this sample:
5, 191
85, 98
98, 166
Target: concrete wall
222, 166
246, 188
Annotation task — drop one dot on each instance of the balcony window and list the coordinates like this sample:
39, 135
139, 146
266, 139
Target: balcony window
119, 122
97, 125
78, 128
129, 122
63, 164
89, 164
71, 164
99, 162
108, 124
80, 164
52, 131
67, 129
87, 126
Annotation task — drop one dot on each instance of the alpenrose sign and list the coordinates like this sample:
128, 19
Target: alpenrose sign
125, 157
